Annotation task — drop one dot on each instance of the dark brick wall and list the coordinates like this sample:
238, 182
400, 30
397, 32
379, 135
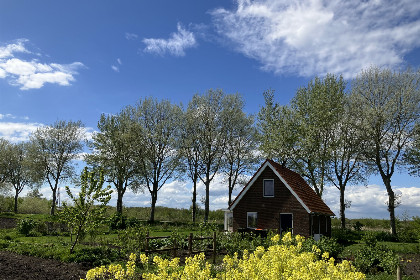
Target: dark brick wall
269, 208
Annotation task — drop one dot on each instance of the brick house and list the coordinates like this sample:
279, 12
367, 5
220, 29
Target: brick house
279, 198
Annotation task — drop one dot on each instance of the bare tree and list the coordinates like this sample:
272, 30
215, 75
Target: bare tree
389, 103
54, 148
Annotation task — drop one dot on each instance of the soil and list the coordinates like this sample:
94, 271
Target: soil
411, 265
19, 267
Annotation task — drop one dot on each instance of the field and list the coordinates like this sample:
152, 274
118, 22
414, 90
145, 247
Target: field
43, 251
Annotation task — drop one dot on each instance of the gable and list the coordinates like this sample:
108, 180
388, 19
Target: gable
297, 186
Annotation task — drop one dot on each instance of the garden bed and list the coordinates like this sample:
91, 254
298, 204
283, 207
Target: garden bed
17, 267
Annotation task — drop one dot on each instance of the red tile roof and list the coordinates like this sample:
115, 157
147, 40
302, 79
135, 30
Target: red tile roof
298, 185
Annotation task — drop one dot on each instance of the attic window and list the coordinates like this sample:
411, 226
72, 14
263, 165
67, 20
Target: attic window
269, 188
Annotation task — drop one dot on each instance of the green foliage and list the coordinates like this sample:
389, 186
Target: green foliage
132, 239
117, 221
95, 256
84, 216
325, 244
26, 226
409, 231
373, 258
346, 236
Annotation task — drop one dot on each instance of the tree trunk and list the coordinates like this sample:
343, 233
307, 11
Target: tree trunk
54, 201
230, 190
207, 203
16, 201
391, 208
119, 201
342, 208
194, 200
154, 199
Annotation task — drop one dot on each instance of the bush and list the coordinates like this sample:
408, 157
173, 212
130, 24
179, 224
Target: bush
25, 226
346, 236
374, 258
325, 244
94, 256
117, 221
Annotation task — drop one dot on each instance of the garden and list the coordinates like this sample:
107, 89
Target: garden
128, 247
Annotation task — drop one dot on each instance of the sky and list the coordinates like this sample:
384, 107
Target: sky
75, 60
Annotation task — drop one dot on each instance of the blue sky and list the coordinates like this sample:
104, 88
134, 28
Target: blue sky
75, 60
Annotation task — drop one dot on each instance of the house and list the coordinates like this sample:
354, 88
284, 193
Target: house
279, 198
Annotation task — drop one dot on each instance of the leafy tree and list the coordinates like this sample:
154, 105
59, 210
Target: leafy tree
388, 104
89, 206
114, 150
240, 153
300, 135
277, 131
316, 109
21, 171
347, 162
54, 148
208, 112
156, 126
4, 160
412, 156
190, 149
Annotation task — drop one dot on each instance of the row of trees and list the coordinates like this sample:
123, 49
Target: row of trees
331, 133
336, 136
145, 145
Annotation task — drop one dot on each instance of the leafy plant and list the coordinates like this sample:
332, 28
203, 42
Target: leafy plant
25, 226
84, 216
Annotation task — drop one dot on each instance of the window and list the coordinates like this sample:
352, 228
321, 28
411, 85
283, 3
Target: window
269, 188
251, 219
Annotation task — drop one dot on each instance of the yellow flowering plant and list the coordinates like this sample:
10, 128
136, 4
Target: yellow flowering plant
282, 260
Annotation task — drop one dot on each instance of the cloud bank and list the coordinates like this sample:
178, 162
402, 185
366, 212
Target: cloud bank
175, 45
33, 74
316, 37
17, 132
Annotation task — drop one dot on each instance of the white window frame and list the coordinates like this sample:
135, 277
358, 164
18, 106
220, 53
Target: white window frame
264, 188
247, 220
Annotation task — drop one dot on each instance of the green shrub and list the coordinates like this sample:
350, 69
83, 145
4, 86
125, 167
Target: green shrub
117, 221
325, 244
376, 258
346, 236
94, 256
25, 226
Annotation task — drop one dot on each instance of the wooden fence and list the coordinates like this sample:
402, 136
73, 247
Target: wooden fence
174, 249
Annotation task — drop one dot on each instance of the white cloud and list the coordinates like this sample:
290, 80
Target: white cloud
115, 68
370, 201
31, 74
131, 36
316, 37
175, 45
17, 132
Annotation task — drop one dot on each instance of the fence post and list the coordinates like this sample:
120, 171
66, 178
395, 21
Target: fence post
214, 247
398, 272
190, 241
147, 243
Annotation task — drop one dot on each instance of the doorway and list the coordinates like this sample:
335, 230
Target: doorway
286, 223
